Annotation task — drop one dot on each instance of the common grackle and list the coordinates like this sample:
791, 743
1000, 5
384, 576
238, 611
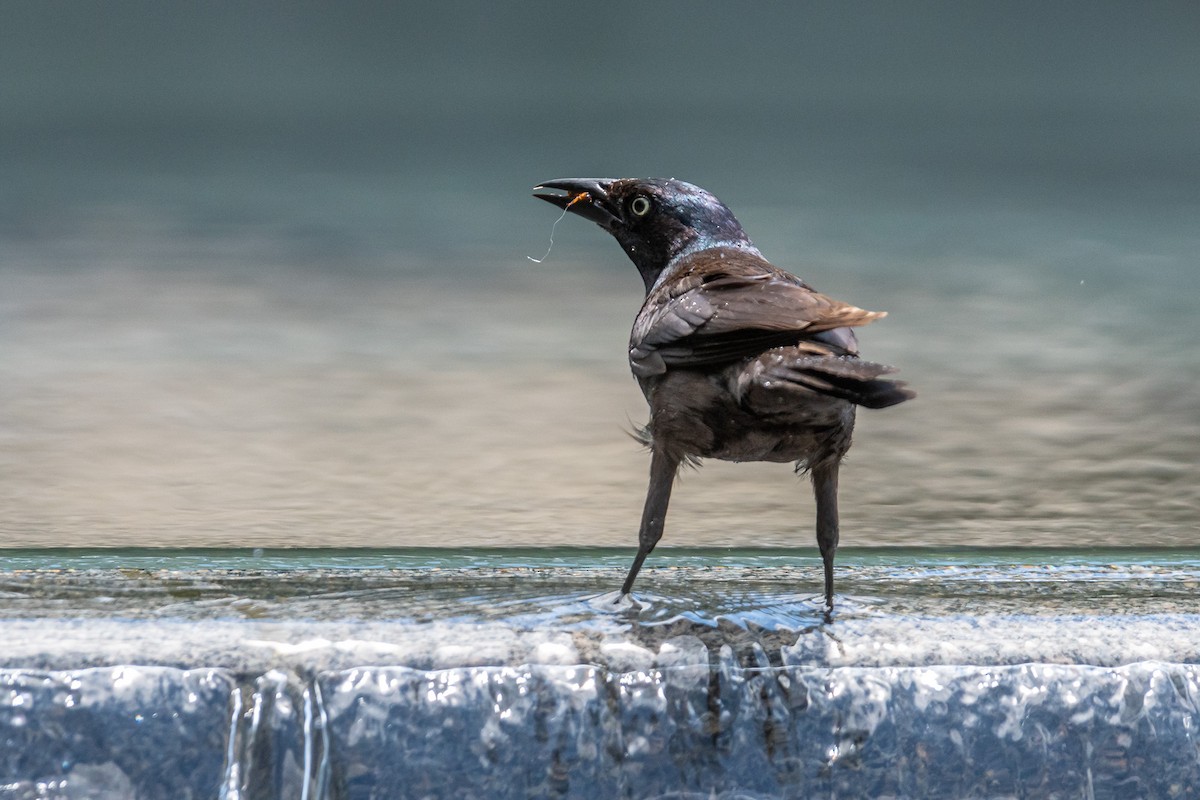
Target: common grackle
738, 359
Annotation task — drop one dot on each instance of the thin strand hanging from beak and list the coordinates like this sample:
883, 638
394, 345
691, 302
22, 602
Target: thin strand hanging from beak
566, 208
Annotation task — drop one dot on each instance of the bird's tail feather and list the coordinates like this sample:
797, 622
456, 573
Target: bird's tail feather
844, 377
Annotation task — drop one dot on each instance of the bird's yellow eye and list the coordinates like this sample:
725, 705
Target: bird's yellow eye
640, 206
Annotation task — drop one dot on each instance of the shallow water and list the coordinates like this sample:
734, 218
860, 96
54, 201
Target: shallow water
896, 605
516, 673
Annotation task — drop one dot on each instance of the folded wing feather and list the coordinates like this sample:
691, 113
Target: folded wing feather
709, 316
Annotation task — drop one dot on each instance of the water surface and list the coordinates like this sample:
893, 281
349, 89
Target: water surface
225, 401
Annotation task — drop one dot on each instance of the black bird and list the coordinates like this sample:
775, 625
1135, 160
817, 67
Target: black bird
738, 359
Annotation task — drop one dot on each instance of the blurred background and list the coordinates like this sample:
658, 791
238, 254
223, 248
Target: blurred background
263, 274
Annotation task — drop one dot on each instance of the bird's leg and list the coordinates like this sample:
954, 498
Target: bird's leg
825, 487
658, 495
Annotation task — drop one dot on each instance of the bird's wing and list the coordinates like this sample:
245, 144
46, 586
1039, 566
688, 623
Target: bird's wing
716, 311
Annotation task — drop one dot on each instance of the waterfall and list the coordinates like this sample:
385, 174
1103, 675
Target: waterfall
723, 729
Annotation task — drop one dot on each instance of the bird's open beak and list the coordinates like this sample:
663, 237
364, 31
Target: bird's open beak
587, 197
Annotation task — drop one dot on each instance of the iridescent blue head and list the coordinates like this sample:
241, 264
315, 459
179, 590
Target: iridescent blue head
656, 220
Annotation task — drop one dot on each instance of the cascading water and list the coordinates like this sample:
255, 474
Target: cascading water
508, 675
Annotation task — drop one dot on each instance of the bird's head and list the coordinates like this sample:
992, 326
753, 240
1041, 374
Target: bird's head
656, 220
